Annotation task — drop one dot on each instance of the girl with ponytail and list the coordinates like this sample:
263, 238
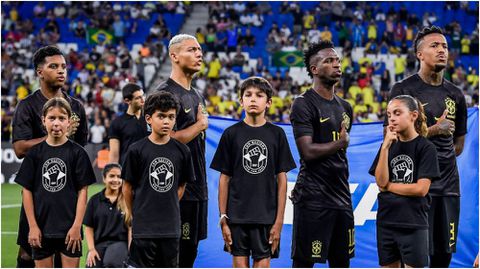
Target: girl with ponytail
404, 167
105, 226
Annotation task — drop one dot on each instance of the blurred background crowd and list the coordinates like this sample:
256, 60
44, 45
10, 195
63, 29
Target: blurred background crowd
108, 44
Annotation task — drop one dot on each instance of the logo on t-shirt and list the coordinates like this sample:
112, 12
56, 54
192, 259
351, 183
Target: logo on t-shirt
402, 169
161, 174
255, 155
54, 174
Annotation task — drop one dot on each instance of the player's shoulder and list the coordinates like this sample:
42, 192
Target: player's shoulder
163, 86
303, 99
28, 101
343, 102
410, 81
169, 85
452, 87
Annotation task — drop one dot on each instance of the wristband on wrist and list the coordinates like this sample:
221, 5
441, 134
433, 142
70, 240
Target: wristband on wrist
222, 216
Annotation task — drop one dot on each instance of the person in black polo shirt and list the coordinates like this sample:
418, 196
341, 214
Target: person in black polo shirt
55, 175
28, 130
192, 122
105, 230
446, 112
129, 127
323, 227
253, 157
156, 169
404, 168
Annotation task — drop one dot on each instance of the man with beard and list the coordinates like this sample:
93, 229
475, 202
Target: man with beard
191, 124
323, 226
446, 113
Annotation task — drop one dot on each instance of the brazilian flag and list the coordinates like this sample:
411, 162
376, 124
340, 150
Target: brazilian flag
288, 58
96, 36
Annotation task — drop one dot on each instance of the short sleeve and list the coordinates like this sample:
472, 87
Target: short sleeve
375, 163
89, 212
285, 160
461, 116
21, 123
25, 176
428, 162
221, 160
84, 174
130, 168
188, 172
81, 136
300, 117
113, 131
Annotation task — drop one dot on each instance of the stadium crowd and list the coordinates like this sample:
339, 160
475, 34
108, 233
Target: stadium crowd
98, 72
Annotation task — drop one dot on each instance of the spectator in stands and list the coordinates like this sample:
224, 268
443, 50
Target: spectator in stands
238, 58
79, 30
400, 64
232, 38
97, 132
257, 19
314, 35
200, 35
211, 39
118, 28
60, 11
248, 39
214, 67
358, 32
221, 43
308, 20
39, 10
385, 82
465, 44
399, 34
326, 34
371, 46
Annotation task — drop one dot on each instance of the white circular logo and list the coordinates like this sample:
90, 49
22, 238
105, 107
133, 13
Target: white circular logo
54, 175
161, 174
255, 155
402, 169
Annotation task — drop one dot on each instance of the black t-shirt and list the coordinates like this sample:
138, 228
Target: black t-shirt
435, 99
187, 115
27, 119
252, 157
322, 182
155, 172
105, 219
54, 175
128, 129
407, 162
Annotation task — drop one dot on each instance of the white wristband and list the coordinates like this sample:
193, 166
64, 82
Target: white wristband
222, 216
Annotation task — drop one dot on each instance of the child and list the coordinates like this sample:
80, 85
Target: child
253, 157
105, 231
55, 175
404, 168
156, 169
